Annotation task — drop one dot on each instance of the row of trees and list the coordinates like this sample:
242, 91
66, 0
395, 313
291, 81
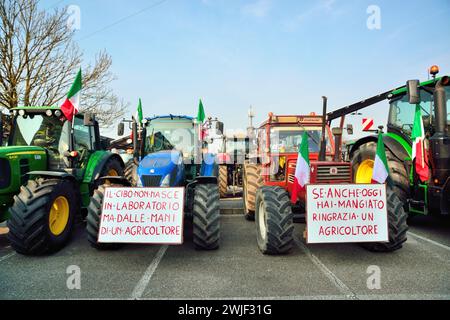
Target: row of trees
39, 59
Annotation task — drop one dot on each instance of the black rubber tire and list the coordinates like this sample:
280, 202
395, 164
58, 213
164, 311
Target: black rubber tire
274, 210
252, 181
29, 230
93, 219
114, 164
397, 170
131, 172
223, 180
398, 226
206, 217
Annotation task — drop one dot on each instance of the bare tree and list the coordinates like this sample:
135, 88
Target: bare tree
39, 59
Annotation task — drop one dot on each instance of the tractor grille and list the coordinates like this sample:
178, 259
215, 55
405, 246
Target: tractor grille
326, 174
5, 174
151, 181
330, 174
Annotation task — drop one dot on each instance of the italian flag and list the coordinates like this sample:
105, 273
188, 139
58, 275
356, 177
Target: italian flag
419, 152
302, 170
380, 168
139, 115
71, 105
201, 119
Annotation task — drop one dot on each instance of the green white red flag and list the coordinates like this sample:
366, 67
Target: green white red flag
380, 168
302, 170
71, 105
419, 152
201, 119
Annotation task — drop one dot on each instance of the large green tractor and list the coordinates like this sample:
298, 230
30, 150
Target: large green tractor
49, 169
418, 197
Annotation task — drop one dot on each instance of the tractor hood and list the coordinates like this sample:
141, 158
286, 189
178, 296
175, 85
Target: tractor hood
156, 166
15, 163
25, 150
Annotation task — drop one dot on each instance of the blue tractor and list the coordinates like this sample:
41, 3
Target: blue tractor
169, 152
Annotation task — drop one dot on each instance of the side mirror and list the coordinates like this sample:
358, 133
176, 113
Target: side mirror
120, 129
219, 127
89, 120
349, 129
413, 91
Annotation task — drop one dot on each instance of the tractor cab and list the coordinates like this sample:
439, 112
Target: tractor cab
279, 140
169, 144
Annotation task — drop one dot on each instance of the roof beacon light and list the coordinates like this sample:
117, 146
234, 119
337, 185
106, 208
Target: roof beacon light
434, 70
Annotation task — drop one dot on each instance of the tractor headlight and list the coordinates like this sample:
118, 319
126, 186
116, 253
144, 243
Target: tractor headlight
49, 113
22, 112
166, 181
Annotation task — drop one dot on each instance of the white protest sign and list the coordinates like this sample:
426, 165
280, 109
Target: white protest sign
142, 215
346, 213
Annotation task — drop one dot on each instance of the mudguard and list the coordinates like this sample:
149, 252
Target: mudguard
390, 143
96, 163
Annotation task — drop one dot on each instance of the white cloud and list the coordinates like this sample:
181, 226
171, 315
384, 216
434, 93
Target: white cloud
258, 9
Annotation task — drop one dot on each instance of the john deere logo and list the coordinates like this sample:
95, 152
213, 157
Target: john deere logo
333, 170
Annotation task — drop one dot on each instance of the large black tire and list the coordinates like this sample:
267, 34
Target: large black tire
397, 169
274, 221
206, 217
113, 167
252, 181
30, 232
93, 219
223, 180
131, 172
398, 226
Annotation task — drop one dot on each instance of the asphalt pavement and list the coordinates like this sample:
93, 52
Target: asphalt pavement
421, 270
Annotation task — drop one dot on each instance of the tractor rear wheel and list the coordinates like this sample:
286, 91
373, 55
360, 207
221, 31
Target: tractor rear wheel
363, 161
93, 219
131, 172
397, 221
223, 180
42, 216
274, 220
252, 181
206, 217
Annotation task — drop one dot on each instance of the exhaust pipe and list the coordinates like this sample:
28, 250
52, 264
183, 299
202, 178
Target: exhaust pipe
440, 107
322, 152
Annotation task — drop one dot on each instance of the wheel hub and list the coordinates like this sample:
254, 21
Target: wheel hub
364, 172
59, 215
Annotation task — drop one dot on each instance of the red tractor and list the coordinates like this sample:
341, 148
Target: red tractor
269, 178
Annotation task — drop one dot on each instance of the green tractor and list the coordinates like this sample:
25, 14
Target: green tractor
49, 169
418, 197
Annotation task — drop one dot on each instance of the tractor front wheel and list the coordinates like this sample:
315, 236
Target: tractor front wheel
42, 216
252, 181
274, 220
223, 180
397, 221
93, 219
363, 161
131, 172
206, 217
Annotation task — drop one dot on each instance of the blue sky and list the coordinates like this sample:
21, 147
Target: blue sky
276, 55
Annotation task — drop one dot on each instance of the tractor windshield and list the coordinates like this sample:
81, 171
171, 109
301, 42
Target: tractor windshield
237, 145
37, 130
401, 115
167, 134
288, 139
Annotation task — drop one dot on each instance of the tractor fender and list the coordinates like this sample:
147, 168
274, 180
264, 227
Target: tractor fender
206, 180
52, 174
390, 143
96, 163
